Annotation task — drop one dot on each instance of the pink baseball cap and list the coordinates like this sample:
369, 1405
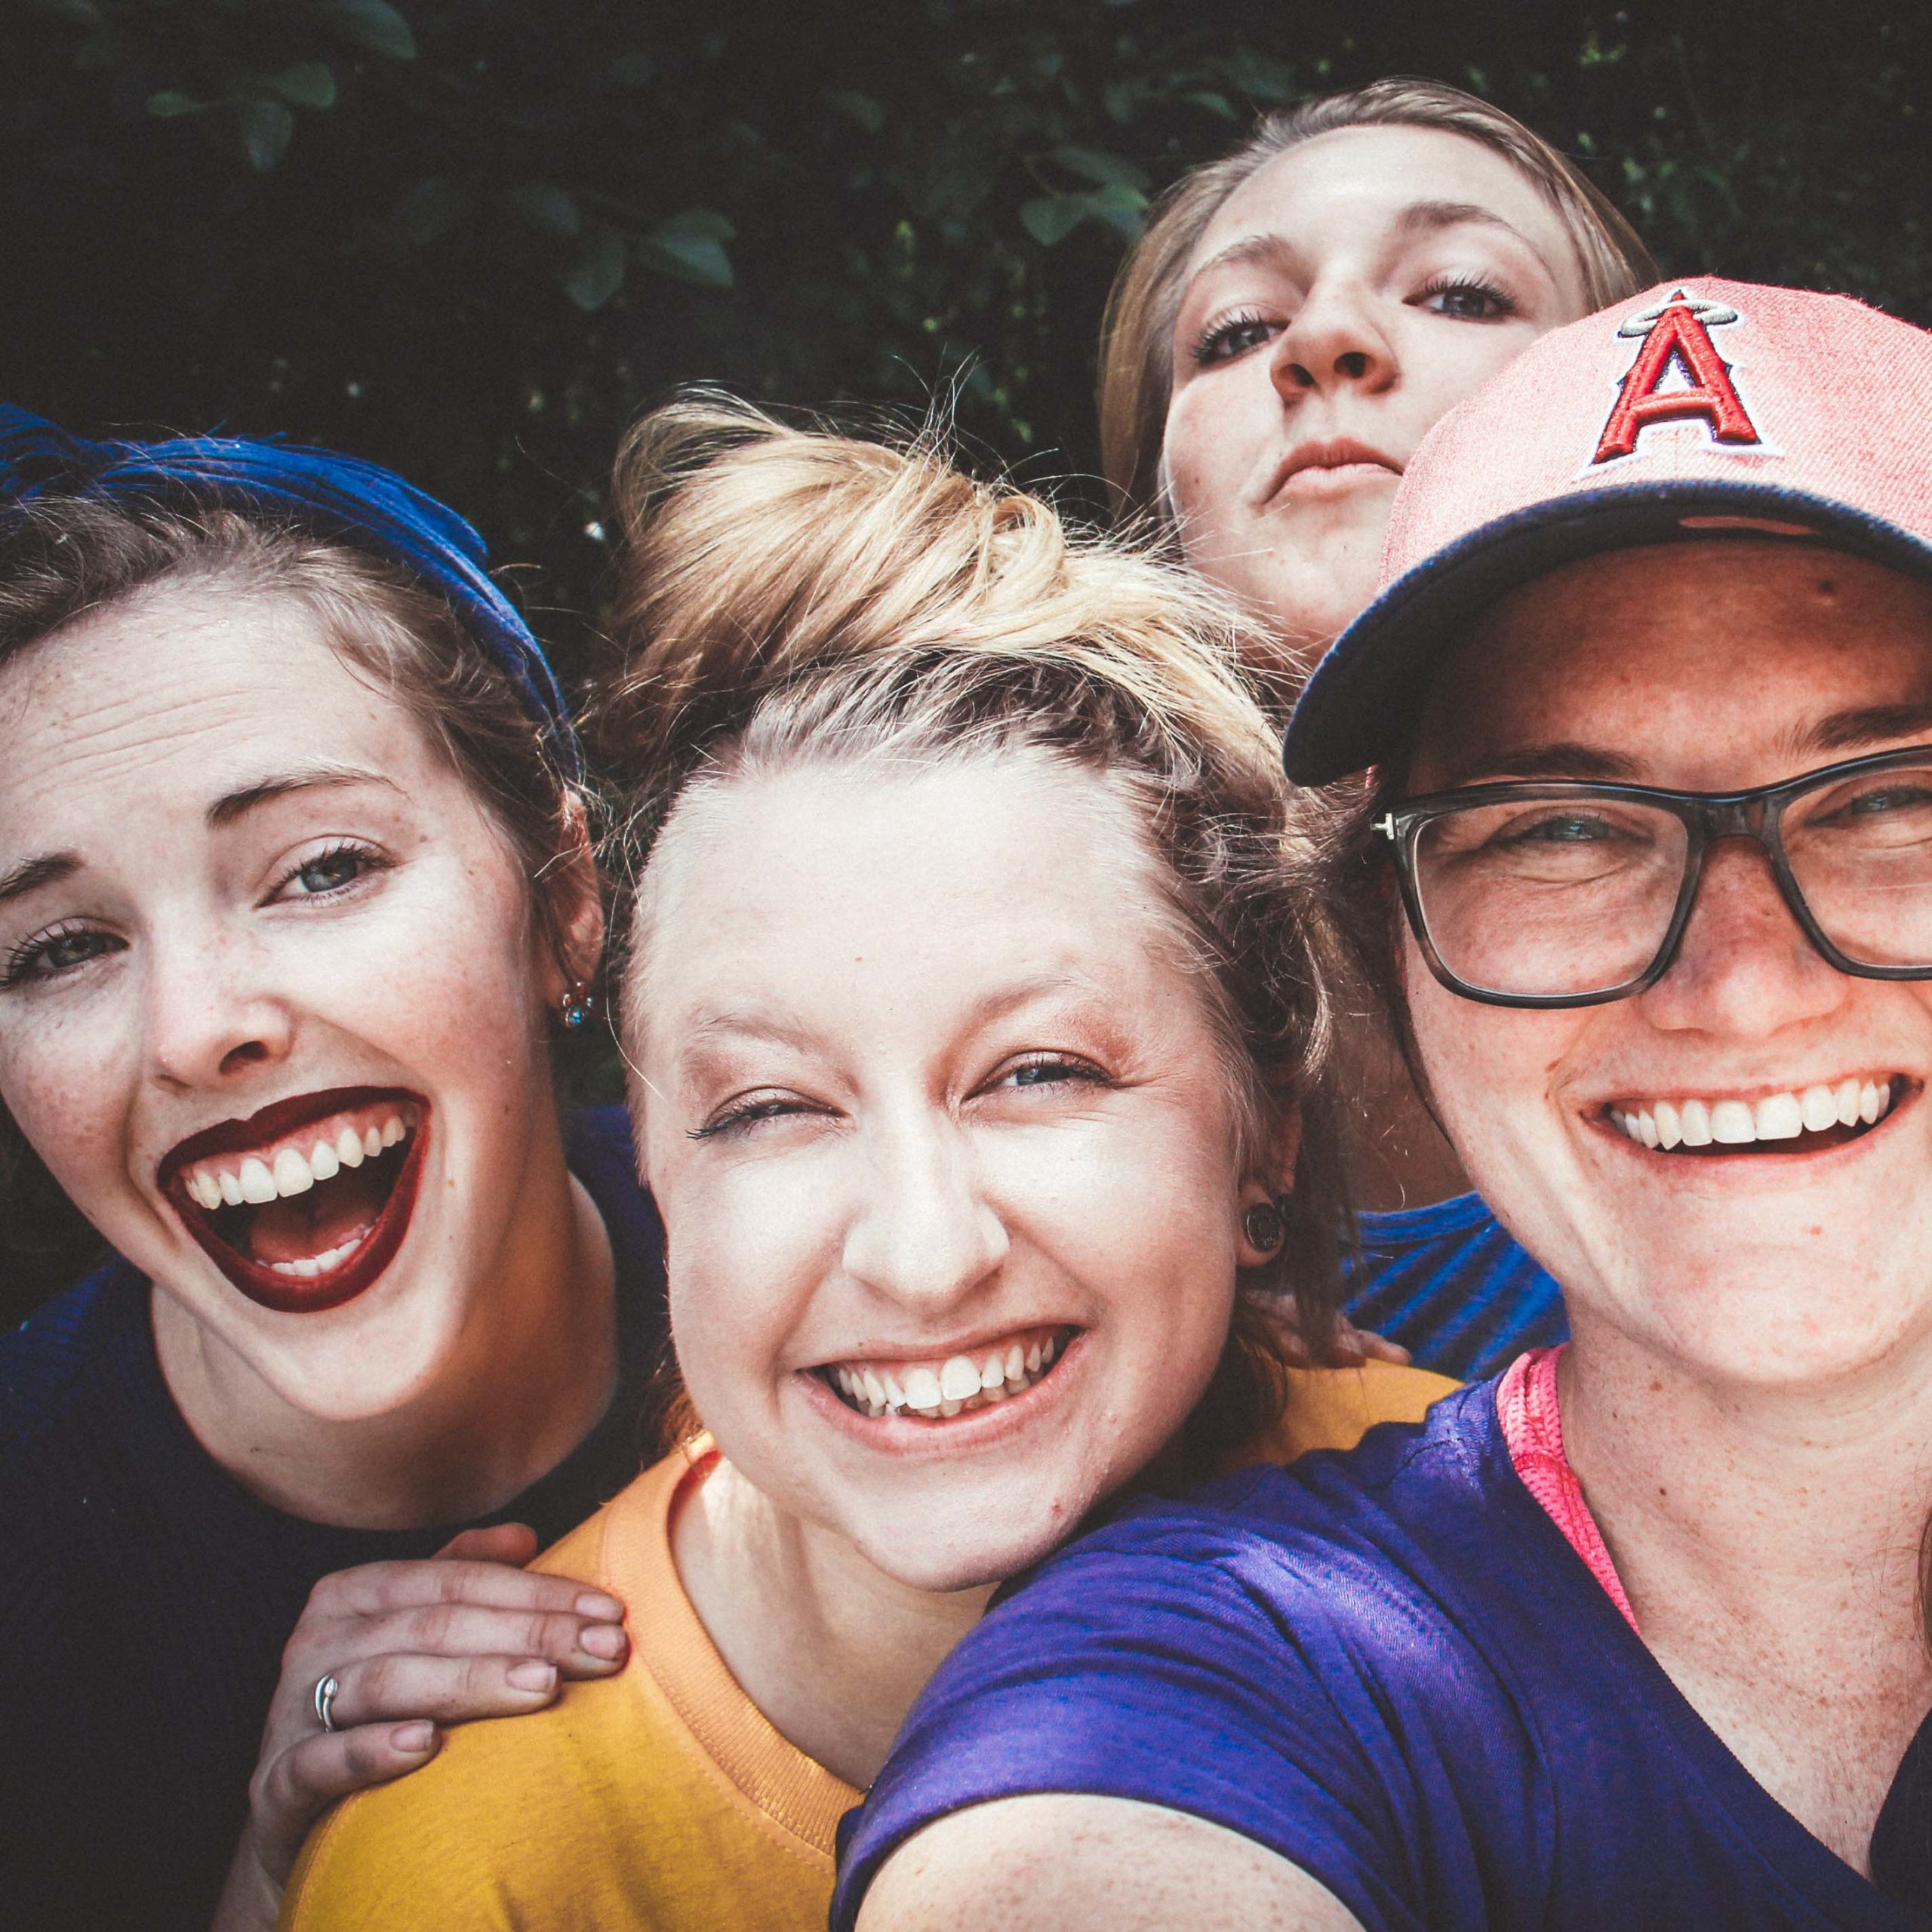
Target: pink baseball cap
1701, 408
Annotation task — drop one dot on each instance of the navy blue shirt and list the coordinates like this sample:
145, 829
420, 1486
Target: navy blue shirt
1389, 1668
145, 1596
1453, 1288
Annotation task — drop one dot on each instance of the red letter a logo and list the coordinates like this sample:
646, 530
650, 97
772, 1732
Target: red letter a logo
1679, 332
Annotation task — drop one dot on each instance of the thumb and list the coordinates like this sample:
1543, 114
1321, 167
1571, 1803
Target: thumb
513, 1543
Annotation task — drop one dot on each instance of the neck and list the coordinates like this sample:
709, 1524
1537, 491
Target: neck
530, 1374
1768, 1539
831, 1649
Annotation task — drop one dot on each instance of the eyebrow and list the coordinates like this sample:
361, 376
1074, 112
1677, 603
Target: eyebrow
32, 874
1869, 724
1419, 218
1551, 761
314, 776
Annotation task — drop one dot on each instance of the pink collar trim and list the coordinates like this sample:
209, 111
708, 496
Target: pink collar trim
1532, 1420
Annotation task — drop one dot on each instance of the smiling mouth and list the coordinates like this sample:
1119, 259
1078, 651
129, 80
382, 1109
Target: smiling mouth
936, 1388
303, 1205
1802, 1120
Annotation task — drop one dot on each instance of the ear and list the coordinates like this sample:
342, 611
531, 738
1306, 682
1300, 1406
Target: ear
575, 901
1274, 1179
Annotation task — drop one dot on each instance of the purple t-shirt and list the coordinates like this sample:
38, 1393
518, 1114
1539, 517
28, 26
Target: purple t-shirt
1388, 1667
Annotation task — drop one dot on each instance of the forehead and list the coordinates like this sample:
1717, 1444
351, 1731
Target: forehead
1707, 655
859, 880
1348, 186
172, 695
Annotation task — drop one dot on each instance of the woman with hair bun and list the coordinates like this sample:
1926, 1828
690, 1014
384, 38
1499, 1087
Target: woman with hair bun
975, 1013
296, 904
1297, 317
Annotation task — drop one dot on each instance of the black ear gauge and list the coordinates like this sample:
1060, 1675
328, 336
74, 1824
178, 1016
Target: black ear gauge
1264, 1227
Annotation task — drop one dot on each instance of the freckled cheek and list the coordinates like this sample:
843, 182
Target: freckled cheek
68, 1084
1209, 448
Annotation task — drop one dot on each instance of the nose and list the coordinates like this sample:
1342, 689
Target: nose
921, 1234
1744, 968
210, 1014
1333, 343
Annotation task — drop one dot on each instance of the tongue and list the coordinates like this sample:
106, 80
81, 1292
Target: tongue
304, 1226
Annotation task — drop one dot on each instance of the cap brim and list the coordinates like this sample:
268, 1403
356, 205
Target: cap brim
1362, 701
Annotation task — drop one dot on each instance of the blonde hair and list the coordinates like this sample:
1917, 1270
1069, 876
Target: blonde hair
791, 593
1136, 331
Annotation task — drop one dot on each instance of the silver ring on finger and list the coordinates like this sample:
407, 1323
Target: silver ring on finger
326, 1687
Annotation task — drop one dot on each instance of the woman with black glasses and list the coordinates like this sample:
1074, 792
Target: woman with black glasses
1629, 1636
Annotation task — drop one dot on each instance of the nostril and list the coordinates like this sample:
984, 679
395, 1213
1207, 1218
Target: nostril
1354, 364
1303, 378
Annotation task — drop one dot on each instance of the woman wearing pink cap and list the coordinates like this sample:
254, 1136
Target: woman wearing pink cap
1631, 1634
1299, 314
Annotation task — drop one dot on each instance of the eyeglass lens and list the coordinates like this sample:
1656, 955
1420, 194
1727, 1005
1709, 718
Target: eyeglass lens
1560, 897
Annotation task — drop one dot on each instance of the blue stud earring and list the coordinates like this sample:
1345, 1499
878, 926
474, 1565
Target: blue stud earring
577, 1005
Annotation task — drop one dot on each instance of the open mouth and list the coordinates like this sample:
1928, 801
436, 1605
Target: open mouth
938, 1389
303, 1205
1803, 1121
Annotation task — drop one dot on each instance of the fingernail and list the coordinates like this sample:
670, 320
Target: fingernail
595, 1603
533, 1675
602, 1640
413, 1738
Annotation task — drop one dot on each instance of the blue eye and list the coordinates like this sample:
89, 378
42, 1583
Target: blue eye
1467, 300
1052, 1070
54, 955
1223, 341
331, 872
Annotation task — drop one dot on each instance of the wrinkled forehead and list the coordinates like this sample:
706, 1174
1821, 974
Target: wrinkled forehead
1699, 664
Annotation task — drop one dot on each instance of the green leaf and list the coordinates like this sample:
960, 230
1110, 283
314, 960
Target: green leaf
266, 127
171, 103
1104, 171
374, 24
598, 272
428, 211
860, 107
550, 210
691, 247
1051, 218
706, 223
1215, 103
308, 83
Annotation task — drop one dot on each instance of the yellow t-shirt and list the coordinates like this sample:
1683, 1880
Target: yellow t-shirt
660, 1797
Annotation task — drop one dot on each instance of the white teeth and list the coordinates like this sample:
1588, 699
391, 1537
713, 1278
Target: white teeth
311, 1266
322, 1161
372, 1141
894, 1394
1033, 1359
231, 1189
291, 1174
958, 1379
349, 1148
993, 1373
206, 1189
1016, 1362
1742, 1123
257, 1183
391, 1131
950, 1407
923, 1392
875, 1389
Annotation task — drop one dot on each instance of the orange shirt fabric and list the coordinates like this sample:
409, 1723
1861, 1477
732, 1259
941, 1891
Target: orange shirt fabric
660, 1797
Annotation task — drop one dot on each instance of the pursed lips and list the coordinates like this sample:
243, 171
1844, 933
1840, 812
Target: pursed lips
1319, 459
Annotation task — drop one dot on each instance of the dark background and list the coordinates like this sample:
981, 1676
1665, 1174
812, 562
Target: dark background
471, 239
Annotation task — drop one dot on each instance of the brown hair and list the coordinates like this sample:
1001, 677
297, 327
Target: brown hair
789, 593
63, 558
1136, 333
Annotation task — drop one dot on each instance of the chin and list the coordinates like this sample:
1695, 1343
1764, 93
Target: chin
940, 1550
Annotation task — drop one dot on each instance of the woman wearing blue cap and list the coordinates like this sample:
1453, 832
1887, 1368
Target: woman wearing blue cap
295, 900
1631, 1634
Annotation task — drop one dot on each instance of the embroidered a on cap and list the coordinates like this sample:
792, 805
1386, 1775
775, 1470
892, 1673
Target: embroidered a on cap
1675, 336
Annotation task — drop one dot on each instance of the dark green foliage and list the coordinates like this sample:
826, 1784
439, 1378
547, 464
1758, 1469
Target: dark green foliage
471, 238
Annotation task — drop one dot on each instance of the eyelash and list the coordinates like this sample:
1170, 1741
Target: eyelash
20, 964
1471, 284
1208, 346
742, 1116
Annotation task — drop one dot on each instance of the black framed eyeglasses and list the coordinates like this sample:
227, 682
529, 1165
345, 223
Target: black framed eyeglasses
1571, 892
